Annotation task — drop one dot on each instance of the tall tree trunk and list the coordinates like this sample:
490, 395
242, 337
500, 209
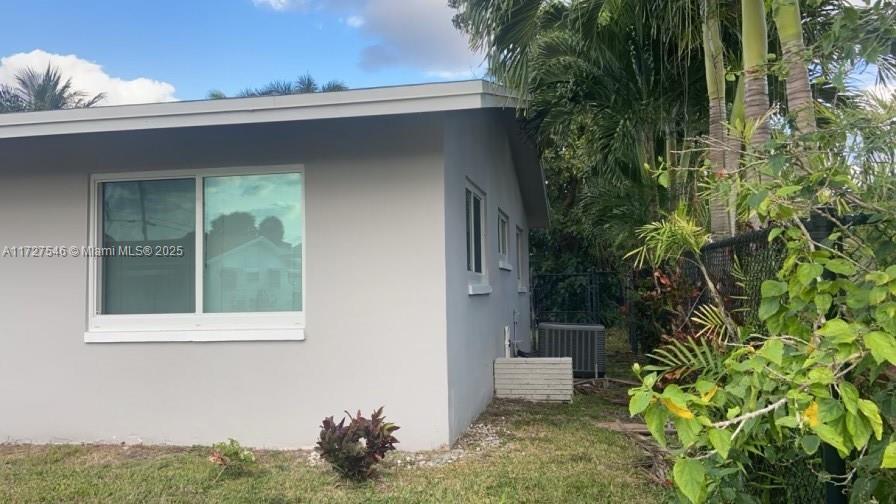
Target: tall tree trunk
754, 35
799, 92
721, 212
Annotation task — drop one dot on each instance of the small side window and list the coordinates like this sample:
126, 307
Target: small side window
504, 241
475, 233
520, 260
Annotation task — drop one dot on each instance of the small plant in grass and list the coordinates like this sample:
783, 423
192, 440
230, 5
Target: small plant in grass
232, 457
354, 449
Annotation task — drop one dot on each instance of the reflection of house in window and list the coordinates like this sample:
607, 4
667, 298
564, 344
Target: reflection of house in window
234, 280
274, 276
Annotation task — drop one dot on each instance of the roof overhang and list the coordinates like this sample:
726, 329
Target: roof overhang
464, 95
530, 174
382, 101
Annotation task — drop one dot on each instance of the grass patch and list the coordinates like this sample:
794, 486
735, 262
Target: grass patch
547, 453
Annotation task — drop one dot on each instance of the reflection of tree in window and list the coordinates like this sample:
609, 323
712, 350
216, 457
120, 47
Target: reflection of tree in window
253, 228
230, 231
272, 229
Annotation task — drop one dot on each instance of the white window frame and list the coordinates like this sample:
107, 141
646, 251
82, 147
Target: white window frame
197, 326
521, 257
478, 282
504, 241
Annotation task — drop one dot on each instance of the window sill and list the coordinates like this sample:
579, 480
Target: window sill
194, 335
522, 290
504, 265
479, 289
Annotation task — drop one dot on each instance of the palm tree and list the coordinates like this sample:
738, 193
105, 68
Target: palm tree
45, 90
754, 34
304, 84
721, 158
799, 93
607, 101
332, 86
307, 84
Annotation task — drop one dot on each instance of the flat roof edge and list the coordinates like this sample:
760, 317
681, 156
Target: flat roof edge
439, 97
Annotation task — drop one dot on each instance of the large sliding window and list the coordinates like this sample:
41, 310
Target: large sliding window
208, 255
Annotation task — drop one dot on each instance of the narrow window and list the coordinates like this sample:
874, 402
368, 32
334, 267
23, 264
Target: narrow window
519, 258
475, 217
503, 241
469, 210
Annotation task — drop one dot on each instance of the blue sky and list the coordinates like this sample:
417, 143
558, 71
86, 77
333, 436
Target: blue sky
197, 45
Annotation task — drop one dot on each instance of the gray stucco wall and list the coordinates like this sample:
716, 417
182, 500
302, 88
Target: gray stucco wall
375, 292
477, 149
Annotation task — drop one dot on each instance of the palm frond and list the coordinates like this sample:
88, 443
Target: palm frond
695, 355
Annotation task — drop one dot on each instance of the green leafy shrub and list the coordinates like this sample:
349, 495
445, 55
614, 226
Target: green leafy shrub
820, 367
354, 449
232, 457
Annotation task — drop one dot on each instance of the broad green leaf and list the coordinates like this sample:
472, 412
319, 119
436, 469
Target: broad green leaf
858, 429
878, 277
877, 295
830, 409
768, 307
823, 303
841, 267
690, 478
838, 330
870, 411
773, 288
663, 179
850, 396
807, 272
830, 436
721, 441
757, 199
787, 421
856, 297
810, 443
821, 375
650, 380
675, 393
773, 350
882, 346
889, 460
788, 190
885, 315
655, 417
688, 430
774, 233
639, 402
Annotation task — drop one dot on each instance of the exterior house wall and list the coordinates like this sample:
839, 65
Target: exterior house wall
478, 151
375, 293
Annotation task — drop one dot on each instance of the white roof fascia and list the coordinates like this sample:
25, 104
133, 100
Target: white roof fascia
463, 95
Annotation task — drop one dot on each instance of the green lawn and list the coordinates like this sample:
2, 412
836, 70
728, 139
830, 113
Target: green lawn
545, 453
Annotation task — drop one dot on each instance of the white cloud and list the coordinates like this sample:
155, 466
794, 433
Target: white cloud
355, 21
403, 33
278, 4
422, 36
89, 77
